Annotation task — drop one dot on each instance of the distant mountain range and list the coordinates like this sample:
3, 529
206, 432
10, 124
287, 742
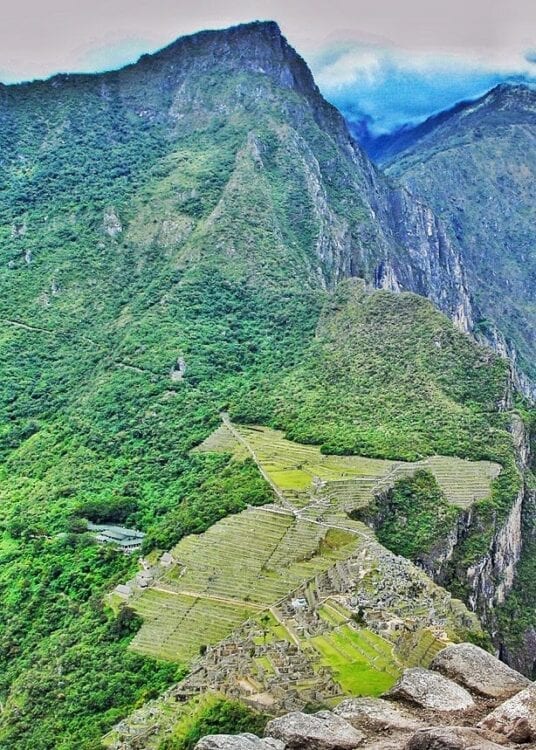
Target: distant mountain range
475, 165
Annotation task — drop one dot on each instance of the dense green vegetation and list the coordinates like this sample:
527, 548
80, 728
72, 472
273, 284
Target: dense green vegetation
413, 517
130, 237
61, 648
389, 376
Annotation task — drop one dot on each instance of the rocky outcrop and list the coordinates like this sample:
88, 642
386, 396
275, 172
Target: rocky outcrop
428, 689
377, 715
111, 223
478, 671
515, 719
450, 738
426, 714
244, 741
324, 730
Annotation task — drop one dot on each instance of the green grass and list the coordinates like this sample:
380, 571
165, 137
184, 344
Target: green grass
241, 564
362, 662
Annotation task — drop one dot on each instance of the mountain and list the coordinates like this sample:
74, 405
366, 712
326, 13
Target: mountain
475, 166
332, 212
189, 250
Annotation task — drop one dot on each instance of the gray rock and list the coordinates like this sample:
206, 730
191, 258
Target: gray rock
450, 738
479, 671
516, 718
238, 742
111, 222
321, 731
376, 714
431, 690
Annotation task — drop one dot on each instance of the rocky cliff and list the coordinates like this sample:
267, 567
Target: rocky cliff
475, 166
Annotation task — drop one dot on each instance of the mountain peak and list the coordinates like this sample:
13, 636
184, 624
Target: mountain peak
510, 95
254, 47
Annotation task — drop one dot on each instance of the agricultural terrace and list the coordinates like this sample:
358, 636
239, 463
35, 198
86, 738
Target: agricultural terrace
247, 562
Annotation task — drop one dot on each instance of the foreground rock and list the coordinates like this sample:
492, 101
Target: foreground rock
321, 731
431, 690
376, 715
516, 719
479, 671
238, 742
450, 738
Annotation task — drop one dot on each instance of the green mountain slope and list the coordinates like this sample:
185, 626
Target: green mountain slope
169, 236
476, 167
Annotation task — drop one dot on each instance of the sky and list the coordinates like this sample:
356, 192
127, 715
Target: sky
388, 61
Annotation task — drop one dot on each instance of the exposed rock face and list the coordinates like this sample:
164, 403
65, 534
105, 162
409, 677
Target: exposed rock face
178, 370
321, 731
478, 671
432, 256
488, 209
450, 738
516, 719
111, 223
431, 690
376, 714
238, 742
492, 576
523, 657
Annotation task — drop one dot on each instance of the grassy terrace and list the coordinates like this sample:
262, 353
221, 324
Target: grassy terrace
302, 472
363, 663
249, 561
241, 564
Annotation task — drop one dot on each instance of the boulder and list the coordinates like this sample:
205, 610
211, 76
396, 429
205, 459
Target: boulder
321, 731
450, 738
516, 718
376, 714
238, 742
479, 671
431, 690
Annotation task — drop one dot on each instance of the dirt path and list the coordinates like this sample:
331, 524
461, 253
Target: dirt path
237, 436
212, 597
27, 327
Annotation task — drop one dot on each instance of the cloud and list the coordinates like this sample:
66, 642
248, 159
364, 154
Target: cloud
389, 87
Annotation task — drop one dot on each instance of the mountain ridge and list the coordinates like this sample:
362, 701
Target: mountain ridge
387, 146
474, 164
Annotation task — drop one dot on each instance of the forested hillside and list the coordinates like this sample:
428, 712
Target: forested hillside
179, 239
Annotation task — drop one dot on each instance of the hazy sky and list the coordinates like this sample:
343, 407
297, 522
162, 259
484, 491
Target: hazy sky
366, 54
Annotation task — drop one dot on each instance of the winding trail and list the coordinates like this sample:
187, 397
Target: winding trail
92, 342
27, 327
